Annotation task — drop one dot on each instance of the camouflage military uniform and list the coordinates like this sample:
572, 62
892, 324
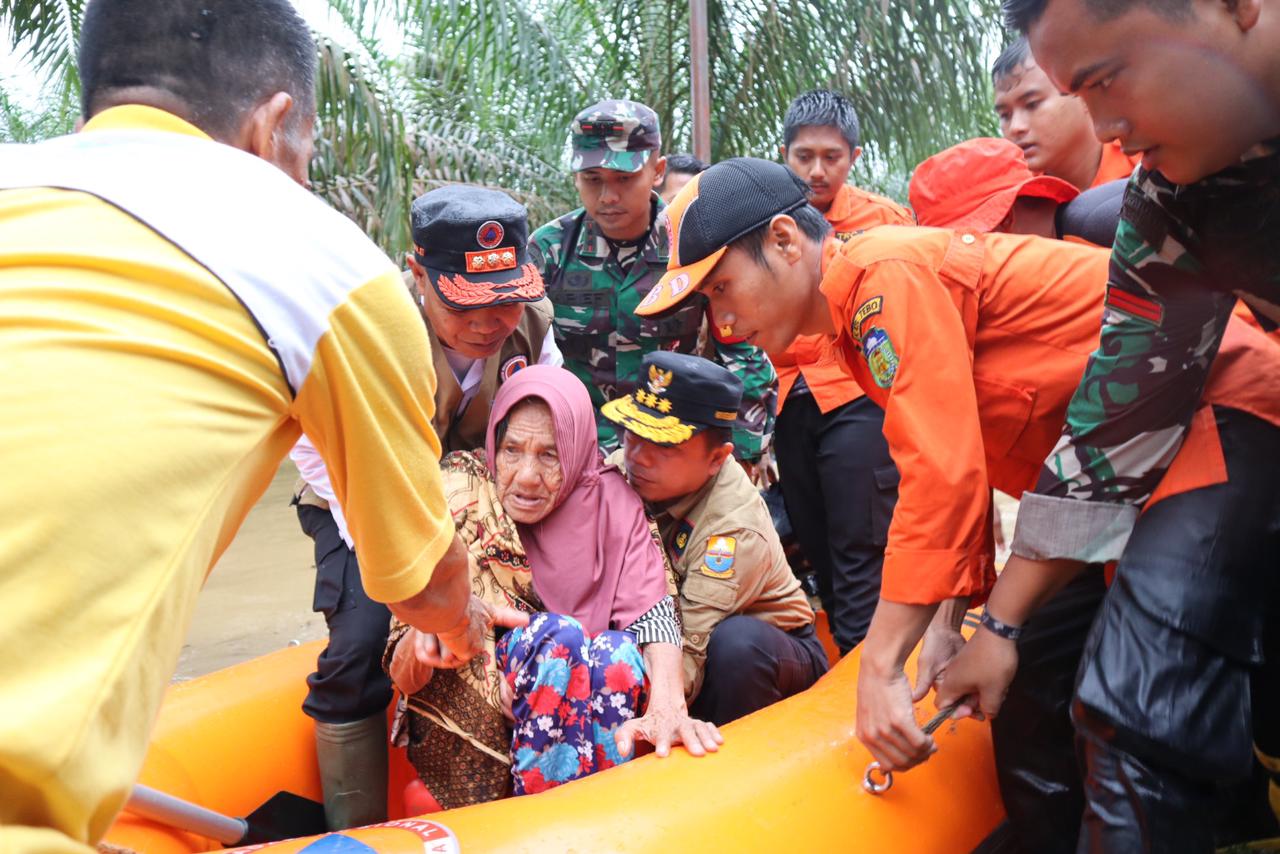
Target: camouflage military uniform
1182, 649
1182, 256
595, 286
603, 341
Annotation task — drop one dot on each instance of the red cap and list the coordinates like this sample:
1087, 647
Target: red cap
972, 186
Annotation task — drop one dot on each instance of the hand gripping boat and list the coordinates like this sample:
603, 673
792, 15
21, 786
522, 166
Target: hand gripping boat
788, 778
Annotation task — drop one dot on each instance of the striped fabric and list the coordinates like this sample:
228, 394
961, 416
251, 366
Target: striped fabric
660, 624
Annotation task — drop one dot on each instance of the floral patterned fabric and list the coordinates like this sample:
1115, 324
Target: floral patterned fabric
571, 692
454, 729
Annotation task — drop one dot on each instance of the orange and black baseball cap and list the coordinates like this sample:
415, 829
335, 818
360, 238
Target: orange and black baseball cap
729, 200
972, 186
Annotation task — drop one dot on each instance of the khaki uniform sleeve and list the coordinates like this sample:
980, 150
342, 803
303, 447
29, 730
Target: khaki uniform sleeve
367, 404
708, 597
915, 360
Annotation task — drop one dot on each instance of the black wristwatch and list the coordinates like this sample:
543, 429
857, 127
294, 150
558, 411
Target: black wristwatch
998, 628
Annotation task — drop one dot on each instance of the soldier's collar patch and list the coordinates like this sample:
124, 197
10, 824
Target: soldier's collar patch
882, 359
718, 561
510, 366
870, 308
681, 541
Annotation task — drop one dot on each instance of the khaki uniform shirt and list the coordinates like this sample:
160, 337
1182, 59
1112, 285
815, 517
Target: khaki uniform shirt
728, 561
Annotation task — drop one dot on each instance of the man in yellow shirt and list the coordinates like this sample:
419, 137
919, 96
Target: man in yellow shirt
174, 310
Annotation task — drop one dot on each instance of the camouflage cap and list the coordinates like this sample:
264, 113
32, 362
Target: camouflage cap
616, 135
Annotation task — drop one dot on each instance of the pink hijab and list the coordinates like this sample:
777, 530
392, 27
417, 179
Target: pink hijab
592, 557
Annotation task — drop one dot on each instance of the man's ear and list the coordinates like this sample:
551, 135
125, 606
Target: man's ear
659, 171
782, 152
419, 277
718, 456
857, 152
264, 134
784, 236
1246, 12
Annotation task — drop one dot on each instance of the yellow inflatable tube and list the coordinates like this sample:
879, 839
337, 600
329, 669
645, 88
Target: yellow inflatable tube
788, 778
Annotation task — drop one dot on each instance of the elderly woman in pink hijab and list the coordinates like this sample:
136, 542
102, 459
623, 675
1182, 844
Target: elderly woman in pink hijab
553, 532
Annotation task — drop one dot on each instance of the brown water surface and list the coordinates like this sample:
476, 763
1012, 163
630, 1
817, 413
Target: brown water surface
258, 597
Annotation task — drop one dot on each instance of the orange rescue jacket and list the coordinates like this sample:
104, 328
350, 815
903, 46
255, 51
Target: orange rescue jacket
974, 345
852, 210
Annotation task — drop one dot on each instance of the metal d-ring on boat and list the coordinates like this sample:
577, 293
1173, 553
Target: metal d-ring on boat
885, 782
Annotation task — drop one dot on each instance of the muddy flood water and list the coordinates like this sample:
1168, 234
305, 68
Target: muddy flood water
258, 597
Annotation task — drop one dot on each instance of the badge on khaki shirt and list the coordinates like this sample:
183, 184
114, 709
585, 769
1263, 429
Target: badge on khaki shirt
718, 561
681, 541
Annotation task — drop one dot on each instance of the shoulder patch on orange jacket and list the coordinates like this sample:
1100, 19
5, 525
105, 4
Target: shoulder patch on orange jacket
870, 308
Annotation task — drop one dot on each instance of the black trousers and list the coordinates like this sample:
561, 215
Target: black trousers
1164, 705
752, 664
1033, 736
840, 487
348, 684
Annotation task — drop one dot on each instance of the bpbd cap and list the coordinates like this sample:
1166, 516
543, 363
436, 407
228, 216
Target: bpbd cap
618, 135
473, 243
718, 206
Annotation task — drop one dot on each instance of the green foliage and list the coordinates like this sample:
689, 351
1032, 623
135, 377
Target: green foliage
21, 124
414, 94
45, 33
503, 78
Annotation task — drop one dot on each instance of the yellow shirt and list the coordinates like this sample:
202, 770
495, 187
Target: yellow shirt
173, 313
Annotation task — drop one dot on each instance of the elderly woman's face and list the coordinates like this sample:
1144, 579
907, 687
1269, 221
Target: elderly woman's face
528, 467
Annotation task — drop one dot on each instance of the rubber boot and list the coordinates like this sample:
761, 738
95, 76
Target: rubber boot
353, 771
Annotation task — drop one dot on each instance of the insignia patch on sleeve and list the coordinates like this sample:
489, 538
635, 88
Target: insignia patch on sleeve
881, 357
718, 561
870, 308
1134, 305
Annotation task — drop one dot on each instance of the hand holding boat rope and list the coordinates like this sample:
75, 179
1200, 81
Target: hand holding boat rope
886, 777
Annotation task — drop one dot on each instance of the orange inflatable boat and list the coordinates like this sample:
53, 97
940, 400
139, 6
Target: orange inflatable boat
788, 778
